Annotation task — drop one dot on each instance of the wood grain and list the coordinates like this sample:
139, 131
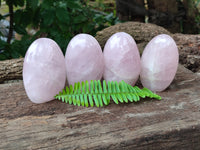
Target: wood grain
11, 69
172, 123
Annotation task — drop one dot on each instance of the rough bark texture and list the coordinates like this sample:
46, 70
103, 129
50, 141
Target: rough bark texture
189, 46
141, 32
131, 10
11, 69
166, 14
189, 50
172, 123
174, 15
190, 20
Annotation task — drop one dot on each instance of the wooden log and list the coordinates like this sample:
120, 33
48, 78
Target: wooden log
189, 50
11, 69
172, 123
141, 32
189, 46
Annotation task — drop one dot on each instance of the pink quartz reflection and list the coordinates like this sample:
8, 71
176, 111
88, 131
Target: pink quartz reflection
122, 59
159, 63
84, 59
44, 72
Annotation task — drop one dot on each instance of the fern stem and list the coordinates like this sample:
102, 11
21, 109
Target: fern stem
86, 94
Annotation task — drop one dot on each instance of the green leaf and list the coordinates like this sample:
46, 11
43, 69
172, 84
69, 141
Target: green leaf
18, 15
48, 17
59, 20
46, 4
79, 19
88, 28
86, 94
20, 30
4, 50
33, 4
109, 16
18, 3
63, 15
1, 17
73, 4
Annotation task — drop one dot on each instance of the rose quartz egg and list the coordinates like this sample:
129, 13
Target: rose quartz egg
159, 63
122, 59
84, 59
44, 72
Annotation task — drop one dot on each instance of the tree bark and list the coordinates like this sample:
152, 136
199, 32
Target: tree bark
188, 45
11, 14
189, 50
141, 32
174, 15
133, 10
190, 24
11, 69
165, 13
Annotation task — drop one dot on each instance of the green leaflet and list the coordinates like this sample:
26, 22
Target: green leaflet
98, 94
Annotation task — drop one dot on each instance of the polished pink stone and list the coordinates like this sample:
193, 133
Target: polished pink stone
159, 63
44, 72
84, 59
122, 59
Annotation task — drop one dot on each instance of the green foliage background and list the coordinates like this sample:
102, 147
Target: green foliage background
59, 20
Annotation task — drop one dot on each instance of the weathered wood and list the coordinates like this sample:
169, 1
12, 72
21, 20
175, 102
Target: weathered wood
189, 46
141, 32
189, 50
172, 123
11, 69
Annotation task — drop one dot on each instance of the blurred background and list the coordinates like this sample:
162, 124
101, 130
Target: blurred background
23, 21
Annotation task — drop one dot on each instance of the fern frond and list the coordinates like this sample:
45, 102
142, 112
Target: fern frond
86, 94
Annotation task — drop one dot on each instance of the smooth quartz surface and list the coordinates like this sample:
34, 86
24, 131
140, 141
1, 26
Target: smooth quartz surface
84, 59
122, 59
159, 63
44, 72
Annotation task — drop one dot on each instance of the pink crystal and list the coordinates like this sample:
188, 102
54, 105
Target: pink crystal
122, 59
159, 63
84, 59
44, 73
